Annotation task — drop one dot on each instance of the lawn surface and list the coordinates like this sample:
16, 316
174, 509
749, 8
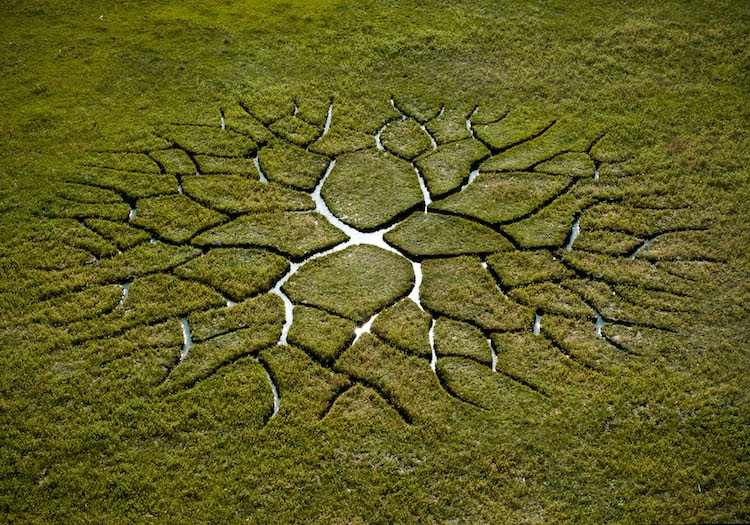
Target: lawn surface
585, 294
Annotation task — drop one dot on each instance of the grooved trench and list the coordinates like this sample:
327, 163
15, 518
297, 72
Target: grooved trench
187, 338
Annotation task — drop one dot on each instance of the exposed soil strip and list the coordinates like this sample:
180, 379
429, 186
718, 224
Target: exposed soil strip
187, 338
599, 324
433, 360
364, 329
574, 231
414, 294
288, 306
274, 389
493, 351
327, 125
125, 291
468, 122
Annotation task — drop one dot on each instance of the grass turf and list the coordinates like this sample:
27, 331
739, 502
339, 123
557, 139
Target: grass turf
661, 436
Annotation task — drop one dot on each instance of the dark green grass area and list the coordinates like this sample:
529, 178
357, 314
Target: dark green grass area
456, 338
204, 140
109, 107
558, 138
461, 288
354, 283
405, 138
552, 298
224, 336
321, 333
527, 267
294, 234
236, 272
174, 218
406, 326
499, 197
448, 166
432, 235
342, 140
369, 189
450, 126
122, 235
291, 165
235, 195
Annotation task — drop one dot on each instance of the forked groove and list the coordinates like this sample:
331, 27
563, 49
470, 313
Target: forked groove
274, 389
567, 353
335, 397
522, 381
452, 393
401, 411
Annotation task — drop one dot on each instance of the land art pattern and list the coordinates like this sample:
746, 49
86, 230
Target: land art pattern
499, 246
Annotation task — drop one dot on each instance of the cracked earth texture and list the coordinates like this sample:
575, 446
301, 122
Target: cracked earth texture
469, 246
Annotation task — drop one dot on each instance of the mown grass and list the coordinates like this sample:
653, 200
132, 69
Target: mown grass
660, 437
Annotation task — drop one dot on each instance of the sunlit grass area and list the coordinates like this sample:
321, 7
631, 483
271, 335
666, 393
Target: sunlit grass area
551, 325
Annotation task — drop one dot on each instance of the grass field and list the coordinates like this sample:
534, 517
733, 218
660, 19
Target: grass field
551, 326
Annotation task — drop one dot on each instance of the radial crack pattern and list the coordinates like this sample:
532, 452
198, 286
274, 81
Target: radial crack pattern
493, 228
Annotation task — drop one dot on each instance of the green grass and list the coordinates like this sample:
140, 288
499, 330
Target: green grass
498, 197
404, 380
404, 138
296, 130
199, 140
285, 163
460, 288
237, 194
552, 298
294, 234
456, 338
405, 326
174, 218
447, 167
434, 235
353, 283
122, 235
550, 227
656, 433
576, 164
129, 185
536, 361
223, 336
451, 125
342, 140
322, 334
236, 272
369, 189
560, 138
517, 268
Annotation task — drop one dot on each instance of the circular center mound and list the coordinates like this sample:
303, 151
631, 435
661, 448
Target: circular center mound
369, 189
354, 283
